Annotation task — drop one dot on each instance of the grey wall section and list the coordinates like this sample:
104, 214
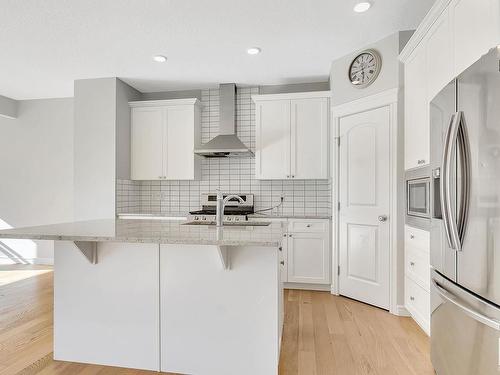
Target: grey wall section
8, 107
184, 94
389, 48
296, 87
124, 94
95, 148
36, 174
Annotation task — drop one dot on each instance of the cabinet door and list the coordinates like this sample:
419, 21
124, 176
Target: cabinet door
417, 140
475, 27
147, 143
309, 138
439, 55
272, 133
178, 145
308, 258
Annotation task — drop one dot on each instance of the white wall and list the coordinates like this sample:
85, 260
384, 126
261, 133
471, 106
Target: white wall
342, 89
36, 173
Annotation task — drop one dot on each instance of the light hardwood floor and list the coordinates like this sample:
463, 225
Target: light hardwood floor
323, 334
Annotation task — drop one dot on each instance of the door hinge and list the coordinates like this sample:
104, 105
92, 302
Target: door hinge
338, 270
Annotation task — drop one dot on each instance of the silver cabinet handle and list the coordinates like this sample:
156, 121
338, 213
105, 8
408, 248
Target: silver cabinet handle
450, 297
420, 161
282, 262
293, 176
412, 236
284, 234
382, 218
287, 176
412, 298
412, 264
280, 248
289, 235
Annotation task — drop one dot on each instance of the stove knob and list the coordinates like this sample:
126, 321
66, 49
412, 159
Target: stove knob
203, 218
228, 218
237, 219
196, 218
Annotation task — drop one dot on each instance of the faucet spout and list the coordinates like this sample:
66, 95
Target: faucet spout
221, 203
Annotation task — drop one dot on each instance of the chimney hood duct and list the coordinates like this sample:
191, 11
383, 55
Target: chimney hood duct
226, 144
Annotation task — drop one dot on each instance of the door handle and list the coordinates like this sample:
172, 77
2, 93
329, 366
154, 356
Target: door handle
382, 218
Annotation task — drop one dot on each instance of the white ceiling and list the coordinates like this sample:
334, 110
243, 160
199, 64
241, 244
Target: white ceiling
46, 45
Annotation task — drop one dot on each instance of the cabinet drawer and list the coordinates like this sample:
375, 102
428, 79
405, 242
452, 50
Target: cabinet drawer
418, 267
308, 226
417, 238
418, 303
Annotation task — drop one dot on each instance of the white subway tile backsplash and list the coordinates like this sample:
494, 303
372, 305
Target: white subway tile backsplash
312, 197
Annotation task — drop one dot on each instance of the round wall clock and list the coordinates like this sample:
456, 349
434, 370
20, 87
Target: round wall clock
365, 68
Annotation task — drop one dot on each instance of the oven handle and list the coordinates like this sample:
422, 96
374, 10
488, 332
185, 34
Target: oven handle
477, 316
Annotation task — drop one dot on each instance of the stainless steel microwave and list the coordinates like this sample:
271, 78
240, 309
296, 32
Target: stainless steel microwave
418, 202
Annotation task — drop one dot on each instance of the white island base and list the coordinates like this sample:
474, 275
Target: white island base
169, 307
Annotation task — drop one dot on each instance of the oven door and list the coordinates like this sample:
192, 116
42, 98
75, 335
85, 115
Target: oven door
418, 197
465, 331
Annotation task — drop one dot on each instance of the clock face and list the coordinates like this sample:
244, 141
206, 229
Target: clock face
365, 68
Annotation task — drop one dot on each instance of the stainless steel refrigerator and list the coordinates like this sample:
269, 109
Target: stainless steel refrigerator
465, 224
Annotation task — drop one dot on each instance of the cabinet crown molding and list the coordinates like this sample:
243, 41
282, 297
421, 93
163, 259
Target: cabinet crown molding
166, 102
419, 34
293, 95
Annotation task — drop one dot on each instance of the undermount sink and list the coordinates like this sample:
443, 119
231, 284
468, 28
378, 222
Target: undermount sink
231, 224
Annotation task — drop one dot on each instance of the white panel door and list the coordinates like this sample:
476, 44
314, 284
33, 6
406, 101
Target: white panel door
308, 258
364, 201
272, 153
147, 143
309, 138
417, 128
178, 148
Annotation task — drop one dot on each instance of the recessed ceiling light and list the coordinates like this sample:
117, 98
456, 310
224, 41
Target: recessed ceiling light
159, 58
254, 50
362, 6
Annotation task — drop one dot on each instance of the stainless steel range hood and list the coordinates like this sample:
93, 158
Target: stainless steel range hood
226, 144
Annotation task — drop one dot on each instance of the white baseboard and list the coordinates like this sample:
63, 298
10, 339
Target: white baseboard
401, 311
303, 286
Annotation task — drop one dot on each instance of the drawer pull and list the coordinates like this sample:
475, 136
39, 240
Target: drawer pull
412, 264
280, 248
412, 298
282, 262
308, 225
412, 236
289, 235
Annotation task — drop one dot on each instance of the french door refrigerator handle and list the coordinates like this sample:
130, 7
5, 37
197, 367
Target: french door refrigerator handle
450, 297
465, 158
445, 186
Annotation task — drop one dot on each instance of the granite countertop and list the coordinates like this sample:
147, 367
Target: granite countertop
152, 231
251, 216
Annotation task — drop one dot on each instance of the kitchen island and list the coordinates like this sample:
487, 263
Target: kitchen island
165, 296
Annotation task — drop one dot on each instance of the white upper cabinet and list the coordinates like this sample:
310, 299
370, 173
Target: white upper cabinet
147, 143
292, 136
439, 55
475, 29
309, 151
163, 137
272, 154
453, 35
417, 142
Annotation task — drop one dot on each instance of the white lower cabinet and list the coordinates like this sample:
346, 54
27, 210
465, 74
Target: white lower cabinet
417, 275
307, 253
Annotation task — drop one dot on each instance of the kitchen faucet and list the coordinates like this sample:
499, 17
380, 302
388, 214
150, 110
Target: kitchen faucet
221, 203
